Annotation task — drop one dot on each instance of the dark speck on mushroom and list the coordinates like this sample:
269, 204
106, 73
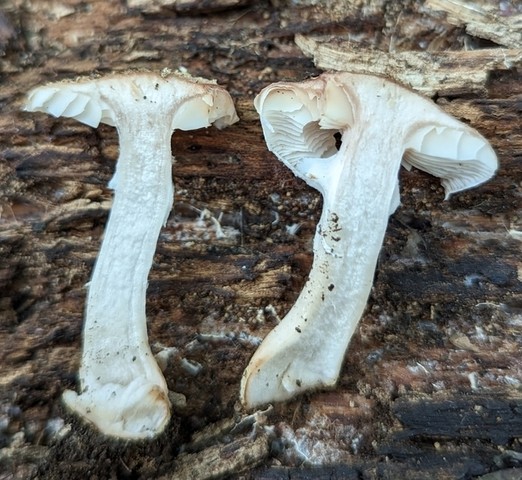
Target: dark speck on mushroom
331, 287
298, 383
298, 329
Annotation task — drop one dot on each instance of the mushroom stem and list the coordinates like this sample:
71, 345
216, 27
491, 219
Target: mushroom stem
307, 348
122, 385
382, 125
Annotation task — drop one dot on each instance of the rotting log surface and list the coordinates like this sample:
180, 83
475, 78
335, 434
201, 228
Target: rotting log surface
441, 336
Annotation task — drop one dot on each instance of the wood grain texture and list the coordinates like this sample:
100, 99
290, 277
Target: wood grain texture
431, 73
443, 327
501, 23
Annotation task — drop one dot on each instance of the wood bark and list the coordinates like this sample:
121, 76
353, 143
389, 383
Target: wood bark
431, 73
431, 384
498, 23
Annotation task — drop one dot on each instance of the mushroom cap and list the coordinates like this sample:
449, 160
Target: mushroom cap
300, 120
190, 102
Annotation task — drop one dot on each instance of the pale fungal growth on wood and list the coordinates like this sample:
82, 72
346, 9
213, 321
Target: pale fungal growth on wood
123, 392
382, 125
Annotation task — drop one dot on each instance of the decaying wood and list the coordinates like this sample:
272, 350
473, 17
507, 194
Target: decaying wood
476, 417
431, 73
443, 327
185, 6
500, 23
230, 457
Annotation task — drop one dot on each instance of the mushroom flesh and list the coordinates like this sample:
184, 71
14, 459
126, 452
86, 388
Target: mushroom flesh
382, 125
123, 391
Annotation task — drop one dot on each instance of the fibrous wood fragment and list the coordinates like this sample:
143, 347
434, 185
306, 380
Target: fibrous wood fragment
186, 6
431, 73
483, 20
222, 460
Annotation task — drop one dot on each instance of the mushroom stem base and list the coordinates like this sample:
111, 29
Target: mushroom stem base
134, 411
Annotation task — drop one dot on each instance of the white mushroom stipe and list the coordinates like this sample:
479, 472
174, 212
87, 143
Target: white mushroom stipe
123, 391
381, 125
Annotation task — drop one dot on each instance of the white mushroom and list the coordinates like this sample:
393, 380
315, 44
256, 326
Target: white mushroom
381, 124
123, 391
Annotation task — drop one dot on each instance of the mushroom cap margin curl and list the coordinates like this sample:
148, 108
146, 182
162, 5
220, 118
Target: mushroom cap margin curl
197, 103
300, 119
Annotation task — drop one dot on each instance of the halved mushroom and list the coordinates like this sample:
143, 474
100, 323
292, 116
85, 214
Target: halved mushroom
123, 392
381, 124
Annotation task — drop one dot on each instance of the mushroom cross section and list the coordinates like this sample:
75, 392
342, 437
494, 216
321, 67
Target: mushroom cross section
382, 125
123, 391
